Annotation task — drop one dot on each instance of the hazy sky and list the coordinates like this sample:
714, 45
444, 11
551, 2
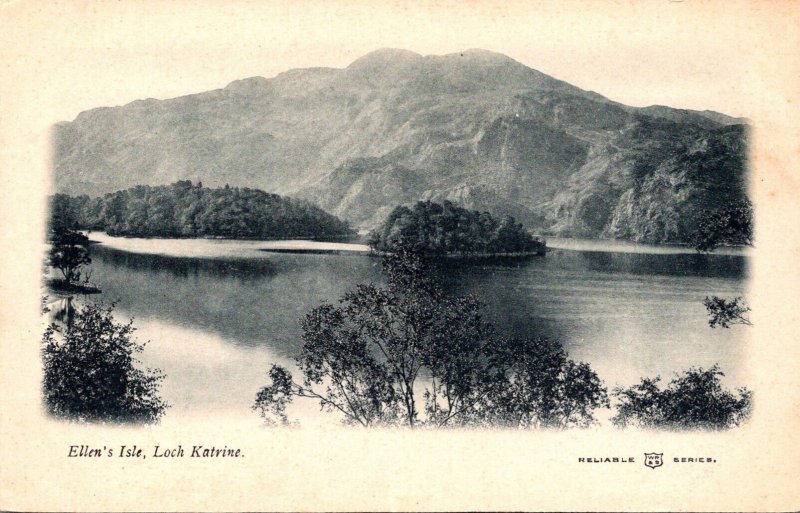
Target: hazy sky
79, 55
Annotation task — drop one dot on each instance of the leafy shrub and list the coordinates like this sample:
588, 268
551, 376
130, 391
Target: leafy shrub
693, 400
91, 373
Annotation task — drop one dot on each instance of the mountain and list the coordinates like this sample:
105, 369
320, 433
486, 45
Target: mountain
476, 128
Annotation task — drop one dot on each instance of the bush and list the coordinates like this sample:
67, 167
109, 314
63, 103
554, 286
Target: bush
91, 373
541, 387
693, 400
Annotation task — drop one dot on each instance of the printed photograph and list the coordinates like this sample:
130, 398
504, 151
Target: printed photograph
421, 241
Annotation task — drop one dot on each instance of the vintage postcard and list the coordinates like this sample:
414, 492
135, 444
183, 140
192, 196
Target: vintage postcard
373, 256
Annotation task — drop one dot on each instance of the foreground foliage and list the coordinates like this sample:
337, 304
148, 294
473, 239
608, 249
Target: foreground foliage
186, 210
408, 353
432, 228
91, 373
693, 400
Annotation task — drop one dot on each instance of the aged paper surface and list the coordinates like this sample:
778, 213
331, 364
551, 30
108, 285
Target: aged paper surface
740, 58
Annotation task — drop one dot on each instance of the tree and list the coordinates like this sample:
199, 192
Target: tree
693, 400
91, 373
367, 353
64, 213
542, 387
69, 252
724, 312
728, 225
382, 349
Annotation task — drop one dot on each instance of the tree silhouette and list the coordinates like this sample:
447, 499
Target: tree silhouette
410, 354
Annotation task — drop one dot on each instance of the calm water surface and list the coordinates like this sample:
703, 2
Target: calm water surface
217, 323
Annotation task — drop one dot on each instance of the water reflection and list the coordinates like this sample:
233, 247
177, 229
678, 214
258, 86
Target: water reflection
187, 267
62, 312
630, 315
688, 264
248, 301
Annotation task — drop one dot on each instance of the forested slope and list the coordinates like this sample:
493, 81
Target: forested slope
186, 210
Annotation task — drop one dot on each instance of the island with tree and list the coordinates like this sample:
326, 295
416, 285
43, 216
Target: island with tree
69, 255
184, 210
445, 229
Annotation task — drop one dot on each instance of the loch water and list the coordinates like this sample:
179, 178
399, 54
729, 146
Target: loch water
215, 323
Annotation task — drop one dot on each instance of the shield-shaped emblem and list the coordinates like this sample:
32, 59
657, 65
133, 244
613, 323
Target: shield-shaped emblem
653, 459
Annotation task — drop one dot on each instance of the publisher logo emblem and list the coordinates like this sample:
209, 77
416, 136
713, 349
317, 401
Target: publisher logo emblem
653, 459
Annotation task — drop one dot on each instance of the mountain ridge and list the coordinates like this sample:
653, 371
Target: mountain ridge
395, 127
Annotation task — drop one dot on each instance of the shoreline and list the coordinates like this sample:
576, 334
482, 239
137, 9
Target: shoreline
626, 246
248, 248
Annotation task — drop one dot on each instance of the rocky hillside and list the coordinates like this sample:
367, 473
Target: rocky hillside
476, 128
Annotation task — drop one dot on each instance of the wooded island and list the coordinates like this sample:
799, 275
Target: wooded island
185, 210
446, 229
